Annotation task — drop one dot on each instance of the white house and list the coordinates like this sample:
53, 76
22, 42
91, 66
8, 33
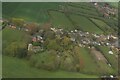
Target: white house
110, 52
30, 47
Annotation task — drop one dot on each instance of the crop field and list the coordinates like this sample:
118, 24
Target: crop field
87, 61
59, 20
111, 58
101, 62
29, 11
94, 64
19, 68
84, 5
102, 25
38, 12
82, 10
114, 4
85, 24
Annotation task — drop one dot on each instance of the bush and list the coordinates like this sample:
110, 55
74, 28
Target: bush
16, 49
67, 62
46, 60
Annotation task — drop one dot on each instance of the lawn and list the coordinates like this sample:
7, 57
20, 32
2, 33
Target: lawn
19, 68
85, 24
59, 20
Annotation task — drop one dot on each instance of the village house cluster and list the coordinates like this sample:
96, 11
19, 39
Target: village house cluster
81, 38
106, 10
85, 39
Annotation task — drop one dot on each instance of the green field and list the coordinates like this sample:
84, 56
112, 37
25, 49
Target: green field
11, 35
111, 58
39, 12
36, 12
85, 5
0, 54
60, 20
95, 66
102, 25
18, 68
83, 10
88, 61
114, 4
85, 24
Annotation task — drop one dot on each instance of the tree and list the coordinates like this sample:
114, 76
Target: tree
32, 27
49, 34
16, 49
66, 42
53, 45
46, 60
18, 21
67, 61
46, 26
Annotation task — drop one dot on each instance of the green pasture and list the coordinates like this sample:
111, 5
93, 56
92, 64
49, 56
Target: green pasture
35, 11
12, 35
19, 68
59, 20
88, 62
76, 9
110, 57
102, 25
85, 24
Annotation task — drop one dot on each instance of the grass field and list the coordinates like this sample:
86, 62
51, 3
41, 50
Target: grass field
29, 11
0, 65
85, 24
78, 9
102, 25
111, 58
0, 54
85, 5
60, 20
114, 4
18, 68
88, 61
12, 35
101, 62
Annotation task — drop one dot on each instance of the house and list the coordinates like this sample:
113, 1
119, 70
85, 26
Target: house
30, 47
37, 38
95, 3
72, 39
71, 31
110, 52
34, 39
37, 48
1, 20
53, 29
76, 30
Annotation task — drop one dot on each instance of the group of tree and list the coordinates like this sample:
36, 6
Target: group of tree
16, 49
21, 23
